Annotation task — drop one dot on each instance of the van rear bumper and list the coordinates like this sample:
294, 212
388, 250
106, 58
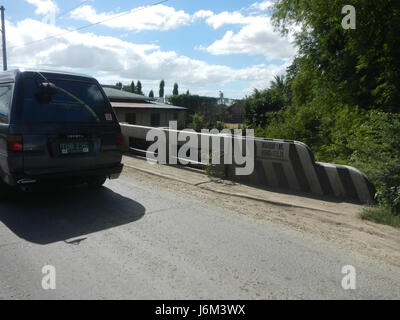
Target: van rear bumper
111, 172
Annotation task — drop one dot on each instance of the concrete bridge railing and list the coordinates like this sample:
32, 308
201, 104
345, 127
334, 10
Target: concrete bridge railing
284, 164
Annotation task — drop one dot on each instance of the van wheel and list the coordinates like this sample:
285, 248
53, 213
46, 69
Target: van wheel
97, 182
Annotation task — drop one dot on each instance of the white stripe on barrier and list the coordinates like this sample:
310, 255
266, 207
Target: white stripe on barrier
309, 169
360, 184
334, 179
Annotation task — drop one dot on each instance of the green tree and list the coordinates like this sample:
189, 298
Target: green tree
175, 92
197, 123
259, 106
206, 107
119, 85
133, 87
162, 86
282, 86
139, 88
342, 91
151, 94
278, 83
363, 63
126, 88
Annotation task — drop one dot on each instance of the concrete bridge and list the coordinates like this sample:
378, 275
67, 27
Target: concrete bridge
280, 164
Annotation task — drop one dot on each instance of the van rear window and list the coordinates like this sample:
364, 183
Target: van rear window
74, 101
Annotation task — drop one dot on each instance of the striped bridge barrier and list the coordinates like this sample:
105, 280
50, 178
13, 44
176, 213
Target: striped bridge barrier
282, 164
290, 165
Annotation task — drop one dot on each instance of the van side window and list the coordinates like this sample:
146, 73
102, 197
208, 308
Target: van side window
5, 101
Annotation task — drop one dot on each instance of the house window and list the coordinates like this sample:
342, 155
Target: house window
155, 119
130, 118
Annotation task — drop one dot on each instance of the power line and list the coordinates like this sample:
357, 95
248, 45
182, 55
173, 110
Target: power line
90, 25
77, 6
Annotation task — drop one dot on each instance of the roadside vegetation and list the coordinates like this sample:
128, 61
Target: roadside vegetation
341, 94
203, 112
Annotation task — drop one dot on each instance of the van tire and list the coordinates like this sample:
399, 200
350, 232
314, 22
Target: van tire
96, 183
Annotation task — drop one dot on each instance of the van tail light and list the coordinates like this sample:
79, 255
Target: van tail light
15, 143
120, 140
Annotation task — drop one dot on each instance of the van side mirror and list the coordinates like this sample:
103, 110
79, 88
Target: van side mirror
45, 92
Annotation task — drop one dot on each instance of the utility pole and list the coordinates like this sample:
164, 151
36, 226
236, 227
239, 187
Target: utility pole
3, 38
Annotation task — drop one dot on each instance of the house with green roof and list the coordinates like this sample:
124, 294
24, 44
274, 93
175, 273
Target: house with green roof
140, 110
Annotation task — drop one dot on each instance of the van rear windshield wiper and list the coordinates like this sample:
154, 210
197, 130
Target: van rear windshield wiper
82, 103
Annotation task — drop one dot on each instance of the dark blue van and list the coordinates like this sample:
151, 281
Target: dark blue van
56, 126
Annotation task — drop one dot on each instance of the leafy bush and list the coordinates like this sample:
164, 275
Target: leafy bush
390, 197
376, 144
260, 106
197, 123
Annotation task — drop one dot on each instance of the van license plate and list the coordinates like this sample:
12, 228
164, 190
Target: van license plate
74, 147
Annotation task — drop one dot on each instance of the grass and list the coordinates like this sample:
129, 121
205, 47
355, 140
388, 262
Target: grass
381, 215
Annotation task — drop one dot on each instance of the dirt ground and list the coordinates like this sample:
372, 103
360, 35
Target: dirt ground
344, 227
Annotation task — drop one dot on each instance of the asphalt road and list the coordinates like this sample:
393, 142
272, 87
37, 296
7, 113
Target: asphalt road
136, 240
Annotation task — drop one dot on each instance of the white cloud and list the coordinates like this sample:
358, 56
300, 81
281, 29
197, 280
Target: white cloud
218, 20
159, 17
201, 14
113, 58
262, 6
256, 36
47, 8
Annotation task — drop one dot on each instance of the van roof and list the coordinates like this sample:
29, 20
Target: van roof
10, 76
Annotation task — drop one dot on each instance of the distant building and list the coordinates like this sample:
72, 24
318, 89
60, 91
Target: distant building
221, 98
140, 110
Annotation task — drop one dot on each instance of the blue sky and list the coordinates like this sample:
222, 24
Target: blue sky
205, 46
